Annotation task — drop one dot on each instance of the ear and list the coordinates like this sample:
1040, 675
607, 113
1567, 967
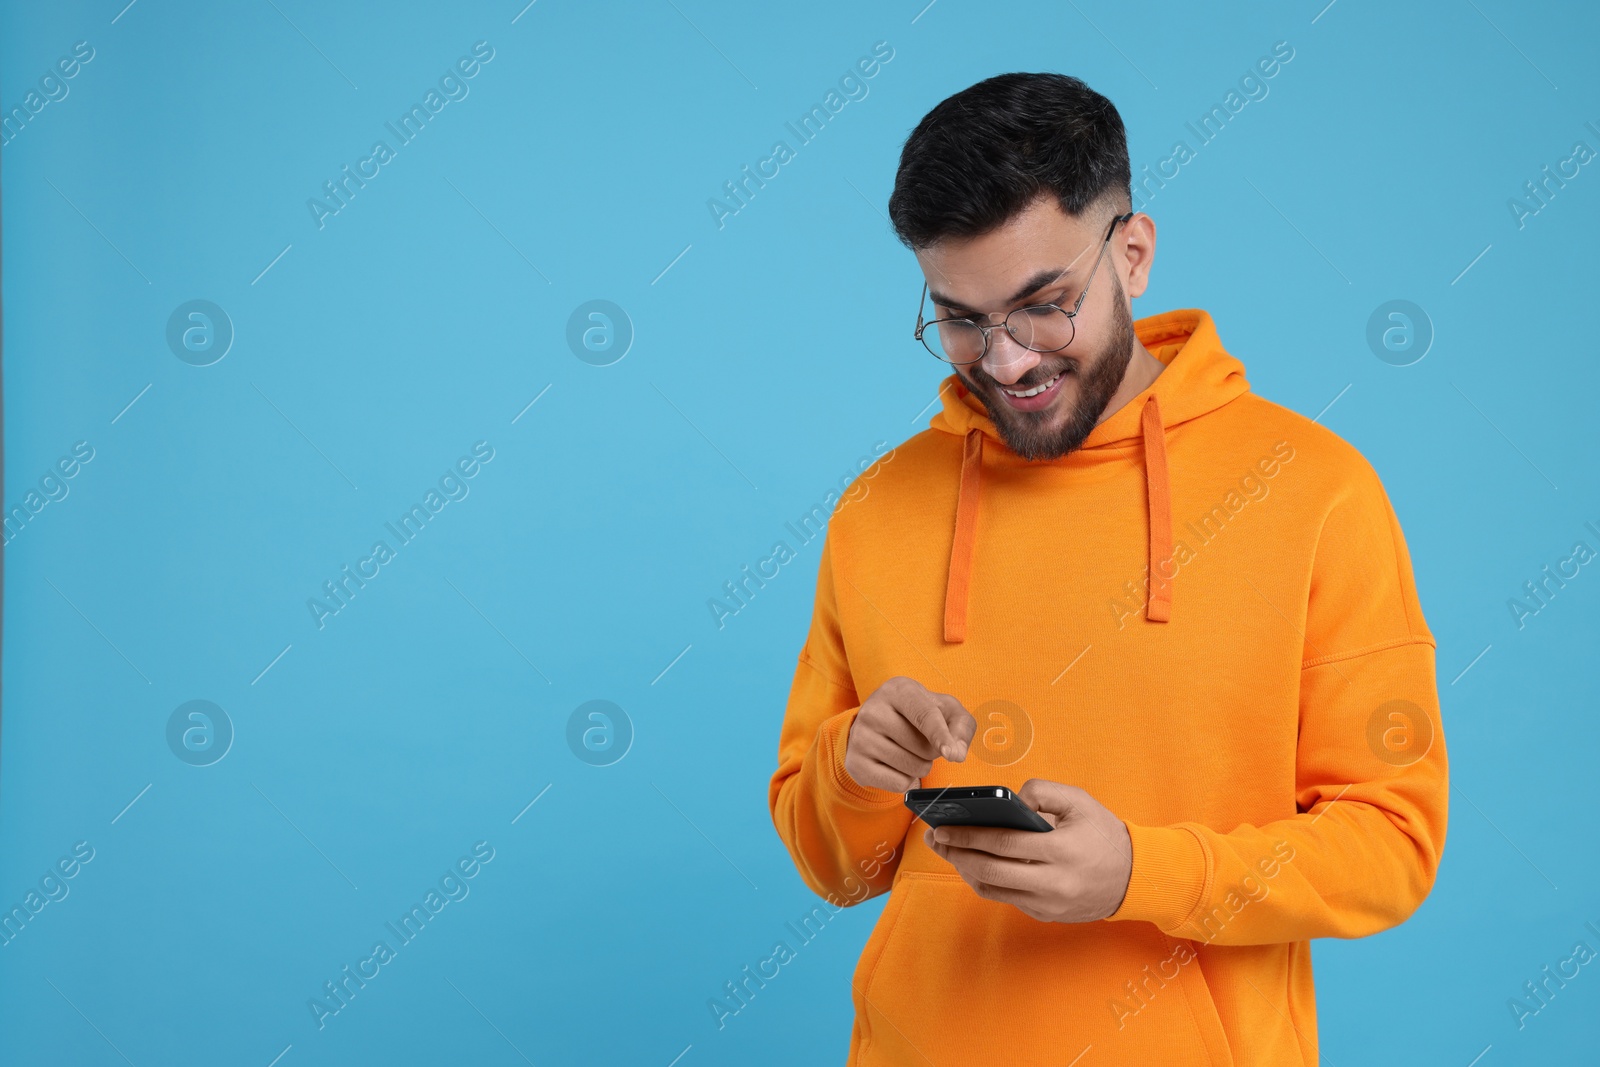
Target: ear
1136, 241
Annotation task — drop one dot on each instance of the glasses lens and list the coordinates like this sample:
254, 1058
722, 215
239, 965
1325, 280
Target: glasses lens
954, 340
1043, 328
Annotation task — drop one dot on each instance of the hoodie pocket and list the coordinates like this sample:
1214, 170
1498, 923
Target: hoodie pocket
948, 977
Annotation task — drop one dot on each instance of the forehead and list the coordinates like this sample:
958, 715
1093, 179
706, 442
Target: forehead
989, 271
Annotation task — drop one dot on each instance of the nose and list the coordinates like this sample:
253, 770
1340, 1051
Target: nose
1007, 360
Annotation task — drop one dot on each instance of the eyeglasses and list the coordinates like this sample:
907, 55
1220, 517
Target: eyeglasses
1038, 327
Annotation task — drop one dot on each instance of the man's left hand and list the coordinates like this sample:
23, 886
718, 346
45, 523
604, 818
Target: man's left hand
1077, 872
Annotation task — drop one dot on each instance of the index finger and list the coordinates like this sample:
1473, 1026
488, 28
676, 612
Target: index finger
925, 712
963, 724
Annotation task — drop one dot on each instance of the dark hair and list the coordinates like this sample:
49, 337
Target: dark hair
987, 152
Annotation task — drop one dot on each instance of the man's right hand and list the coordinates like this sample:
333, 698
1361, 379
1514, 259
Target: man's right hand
900, 730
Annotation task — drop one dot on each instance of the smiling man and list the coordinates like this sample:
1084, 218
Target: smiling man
1042, 408
1177, 618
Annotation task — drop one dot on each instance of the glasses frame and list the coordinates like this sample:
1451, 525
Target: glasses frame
1006, 322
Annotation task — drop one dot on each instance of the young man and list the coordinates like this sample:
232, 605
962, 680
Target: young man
1178, 619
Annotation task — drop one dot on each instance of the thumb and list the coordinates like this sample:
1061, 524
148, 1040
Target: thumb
1057, 799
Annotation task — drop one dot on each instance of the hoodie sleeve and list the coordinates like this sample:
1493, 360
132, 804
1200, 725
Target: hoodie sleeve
1371, 781
845, 838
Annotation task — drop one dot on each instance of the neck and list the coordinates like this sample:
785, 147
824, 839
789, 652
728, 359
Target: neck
1143, 368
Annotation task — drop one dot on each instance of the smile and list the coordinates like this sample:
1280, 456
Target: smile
1036, 390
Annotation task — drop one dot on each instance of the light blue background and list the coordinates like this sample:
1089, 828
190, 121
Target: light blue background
772, 354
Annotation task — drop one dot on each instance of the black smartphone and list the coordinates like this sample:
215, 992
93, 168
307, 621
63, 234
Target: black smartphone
974, 805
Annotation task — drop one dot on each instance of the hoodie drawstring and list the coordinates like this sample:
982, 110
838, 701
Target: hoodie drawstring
1159, 546
1159, 607
955, 590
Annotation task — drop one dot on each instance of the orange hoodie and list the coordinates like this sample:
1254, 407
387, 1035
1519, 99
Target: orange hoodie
1206, 618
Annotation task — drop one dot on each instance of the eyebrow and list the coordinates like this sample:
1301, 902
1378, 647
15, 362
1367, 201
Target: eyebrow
1031, 286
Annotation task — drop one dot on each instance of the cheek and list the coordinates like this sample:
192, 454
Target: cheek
1104, 354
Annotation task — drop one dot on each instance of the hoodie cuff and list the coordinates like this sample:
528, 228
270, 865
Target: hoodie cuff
831, 741
1170, 869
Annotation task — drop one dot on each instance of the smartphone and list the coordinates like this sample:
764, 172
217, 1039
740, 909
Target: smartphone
974, 805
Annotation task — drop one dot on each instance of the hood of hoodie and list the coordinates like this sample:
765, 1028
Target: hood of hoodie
1200, 376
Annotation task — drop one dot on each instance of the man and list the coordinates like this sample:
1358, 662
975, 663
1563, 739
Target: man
1178, 619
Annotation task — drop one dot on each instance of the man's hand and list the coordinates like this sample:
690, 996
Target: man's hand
900, 730
1076, 873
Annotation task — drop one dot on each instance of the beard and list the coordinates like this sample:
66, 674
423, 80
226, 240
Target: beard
1029, 433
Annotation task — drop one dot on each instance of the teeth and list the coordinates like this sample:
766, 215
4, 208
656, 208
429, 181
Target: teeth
1036, 390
